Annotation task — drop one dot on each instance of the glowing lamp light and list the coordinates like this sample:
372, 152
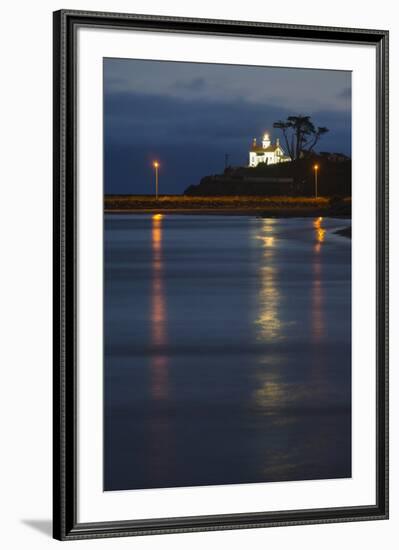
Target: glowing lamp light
156, 166
316, 169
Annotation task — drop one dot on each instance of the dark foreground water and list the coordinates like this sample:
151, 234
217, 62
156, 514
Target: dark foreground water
227, 350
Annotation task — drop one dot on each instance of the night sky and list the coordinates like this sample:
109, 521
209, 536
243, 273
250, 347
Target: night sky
189, 115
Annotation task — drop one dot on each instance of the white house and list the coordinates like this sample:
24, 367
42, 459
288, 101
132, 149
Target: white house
267, 152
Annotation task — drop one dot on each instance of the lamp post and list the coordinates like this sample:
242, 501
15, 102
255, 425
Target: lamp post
316, 169
156, 166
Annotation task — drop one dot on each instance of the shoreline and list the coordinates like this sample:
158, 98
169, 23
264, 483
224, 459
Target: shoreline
234, 205
258, 212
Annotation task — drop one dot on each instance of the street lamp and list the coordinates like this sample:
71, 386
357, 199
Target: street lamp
156, 166
316, 169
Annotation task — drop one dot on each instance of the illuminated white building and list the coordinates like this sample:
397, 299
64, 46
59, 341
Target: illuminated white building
267, 153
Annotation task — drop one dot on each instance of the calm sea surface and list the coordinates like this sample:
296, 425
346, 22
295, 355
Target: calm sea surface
227, 350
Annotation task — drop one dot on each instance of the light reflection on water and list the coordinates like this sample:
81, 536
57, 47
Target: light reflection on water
160, 436
317, 289
159, 361
227, 351
268, 321
320, 232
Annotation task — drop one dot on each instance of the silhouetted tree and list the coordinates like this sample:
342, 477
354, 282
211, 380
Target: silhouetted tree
300, 135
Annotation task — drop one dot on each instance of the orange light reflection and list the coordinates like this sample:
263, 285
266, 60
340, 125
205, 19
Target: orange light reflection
158, 366
318, 328
320, 232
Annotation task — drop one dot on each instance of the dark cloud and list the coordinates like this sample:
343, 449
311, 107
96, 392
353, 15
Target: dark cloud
301, 89
195, 84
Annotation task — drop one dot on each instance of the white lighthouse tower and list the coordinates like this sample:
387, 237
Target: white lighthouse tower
266, 141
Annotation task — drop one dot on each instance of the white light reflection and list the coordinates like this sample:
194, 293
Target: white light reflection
268, 321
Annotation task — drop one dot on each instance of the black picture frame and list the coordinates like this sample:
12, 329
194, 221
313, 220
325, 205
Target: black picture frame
66, 23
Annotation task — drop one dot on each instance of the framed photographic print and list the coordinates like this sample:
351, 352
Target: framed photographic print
220, 274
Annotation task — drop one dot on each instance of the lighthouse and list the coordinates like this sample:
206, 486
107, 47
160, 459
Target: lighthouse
266, 141
267, 153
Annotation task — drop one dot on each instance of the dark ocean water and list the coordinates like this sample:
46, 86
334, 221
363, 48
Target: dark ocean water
227, 350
